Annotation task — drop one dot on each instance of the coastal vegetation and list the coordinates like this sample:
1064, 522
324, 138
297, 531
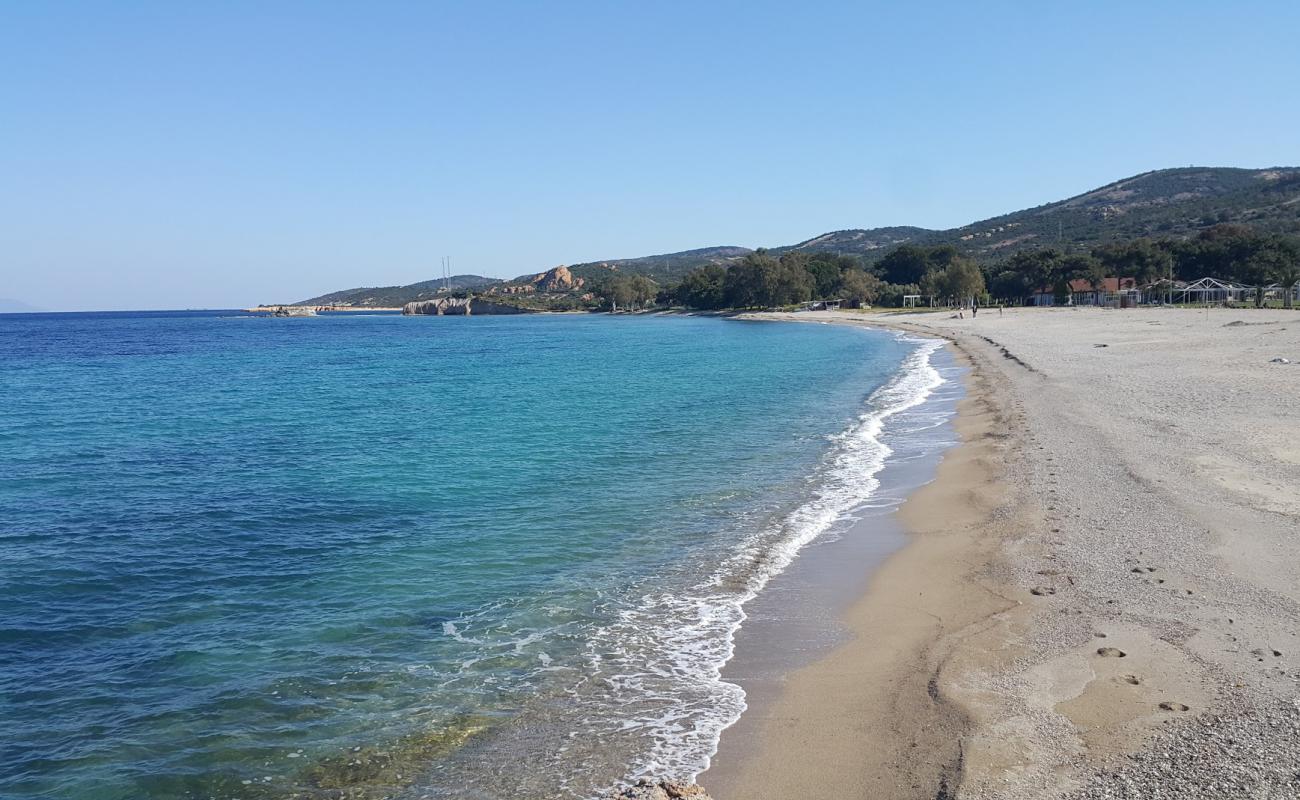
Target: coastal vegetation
1228, 251
629, 292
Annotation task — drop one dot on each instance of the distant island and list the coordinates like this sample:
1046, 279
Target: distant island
1170, 225
10, 306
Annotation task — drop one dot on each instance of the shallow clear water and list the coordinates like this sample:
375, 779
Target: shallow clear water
374, 556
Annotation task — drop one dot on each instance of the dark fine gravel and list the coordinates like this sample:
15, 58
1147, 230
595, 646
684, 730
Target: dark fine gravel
1246, 754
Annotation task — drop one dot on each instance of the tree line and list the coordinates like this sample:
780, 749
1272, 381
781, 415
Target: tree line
1229, 252
763, 279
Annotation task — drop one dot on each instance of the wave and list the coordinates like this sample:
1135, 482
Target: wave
666, 677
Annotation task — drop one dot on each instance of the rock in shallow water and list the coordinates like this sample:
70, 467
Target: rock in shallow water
660, 790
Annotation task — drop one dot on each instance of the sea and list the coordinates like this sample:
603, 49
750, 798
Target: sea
373, 556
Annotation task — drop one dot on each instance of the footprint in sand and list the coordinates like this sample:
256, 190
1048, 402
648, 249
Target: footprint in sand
1169, 706
1111, 652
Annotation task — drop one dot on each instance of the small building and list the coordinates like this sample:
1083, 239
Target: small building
822, 305
1082, 292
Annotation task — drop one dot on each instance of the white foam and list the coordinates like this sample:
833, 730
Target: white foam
684, 716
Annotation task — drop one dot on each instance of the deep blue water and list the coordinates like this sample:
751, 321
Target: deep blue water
252, 557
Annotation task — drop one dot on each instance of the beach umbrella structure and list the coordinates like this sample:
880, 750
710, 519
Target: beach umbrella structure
1213, 290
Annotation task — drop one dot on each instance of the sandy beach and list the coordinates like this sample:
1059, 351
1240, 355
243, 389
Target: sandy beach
1099, 598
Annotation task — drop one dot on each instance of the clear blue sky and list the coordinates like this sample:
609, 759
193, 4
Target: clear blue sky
176, 154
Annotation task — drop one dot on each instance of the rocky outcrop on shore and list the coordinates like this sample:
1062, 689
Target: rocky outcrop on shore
559, 279
462, 306
660, 790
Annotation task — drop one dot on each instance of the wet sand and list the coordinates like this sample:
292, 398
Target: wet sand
1099, 597
800, 617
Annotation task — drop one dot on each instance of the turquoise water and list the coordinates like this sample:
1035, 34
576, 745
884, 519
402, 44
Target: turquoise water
373, 556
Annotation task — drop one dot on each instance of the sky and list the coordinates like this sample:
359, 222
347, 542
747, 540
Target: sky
219, 155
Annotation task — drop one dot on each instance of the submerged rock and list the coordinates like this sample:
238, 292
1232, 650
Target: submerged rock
660, 790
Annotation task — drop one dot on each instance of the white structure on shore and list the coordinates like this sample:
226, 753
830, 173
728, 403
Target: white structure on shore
1213, 290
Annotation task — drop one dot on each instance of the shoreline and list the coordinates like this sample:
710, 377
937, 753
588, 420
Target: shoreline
864, 714
807, 614
1096, 599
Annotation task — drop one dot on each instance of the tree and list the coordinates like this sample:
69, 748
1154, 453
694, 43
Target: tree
744, 285
961, 281
629, 291
1008, 283
859, 288
759, 280
904, 264
1080, 266
790, 283
1140, 259
644, 291
1271, 260
827, 270
703, 288
1223, 251
1287, 270
1038, 269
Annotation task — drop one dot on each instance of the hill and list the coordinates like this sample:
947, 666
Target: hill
1169, 203
666, 268
1172, 203
394, 296
10, 306
870, 242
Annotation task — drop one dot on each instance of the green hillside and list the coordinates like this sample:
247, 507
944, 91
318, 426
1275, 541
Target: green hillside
393, 296
1168, 203
870, 242
666, 268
